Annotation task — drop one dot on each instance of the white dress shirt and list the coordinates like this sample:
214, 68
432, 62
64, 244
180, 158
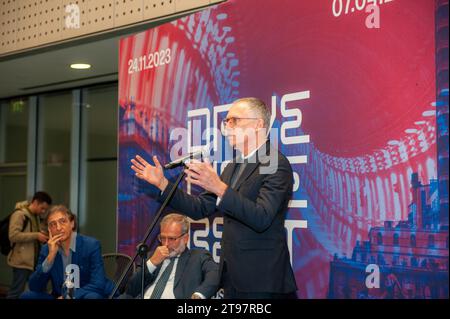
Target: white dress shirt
168, 290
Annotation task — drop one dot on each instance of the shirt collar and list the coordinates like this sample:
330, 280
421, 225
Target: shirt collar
252, 152
73, 242
72, 247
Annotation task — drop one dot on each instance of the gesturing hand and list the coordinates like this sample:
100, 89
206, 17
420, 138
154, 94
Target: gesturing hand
204, 175
152, 174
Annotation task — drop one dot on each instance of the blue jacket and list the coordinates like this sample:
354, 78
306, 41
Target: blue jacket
88, 257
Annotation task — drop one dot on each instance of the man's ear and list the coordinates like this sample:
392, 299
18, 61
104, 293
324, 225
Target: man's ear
260, 124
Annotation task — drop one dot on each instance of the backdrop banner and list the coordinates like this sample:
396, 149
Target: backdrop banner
359, 97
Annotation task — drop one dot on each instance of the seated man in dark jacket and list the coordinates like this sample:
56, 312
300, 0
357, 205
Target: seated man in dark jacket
174, 271
67, 250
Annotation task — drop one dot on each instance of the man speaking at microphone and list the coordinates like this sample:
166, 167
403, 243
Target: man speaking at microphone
253, 198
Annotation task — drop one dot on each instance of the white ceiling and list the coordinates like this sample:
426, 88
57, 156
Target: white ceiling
49, 70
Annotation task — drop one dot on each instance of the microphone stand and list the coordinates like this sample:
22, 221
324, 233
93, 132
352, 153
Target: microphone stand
142, 248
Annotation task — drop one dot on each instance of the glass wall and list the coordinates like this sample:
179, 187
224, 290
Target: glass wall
64, 143
13, 131
98, 182
54, 145
14, 116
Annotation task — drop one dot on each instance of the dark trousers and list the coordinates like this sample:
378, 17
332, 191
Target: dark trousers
231, 293
20, 279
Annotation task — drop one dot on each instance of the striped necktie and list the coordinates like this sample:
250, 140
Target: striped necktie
162, 281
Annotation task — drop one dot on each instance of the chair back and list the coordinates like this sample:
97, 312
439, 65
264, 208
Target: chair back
115, 264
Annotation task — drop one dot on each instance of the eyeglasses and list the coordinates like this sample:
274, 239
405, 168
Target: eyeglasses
61, 221
231, 121
163, 239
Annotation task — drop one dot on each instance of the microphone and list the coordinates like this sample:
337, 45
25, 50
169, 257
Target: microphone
193, 155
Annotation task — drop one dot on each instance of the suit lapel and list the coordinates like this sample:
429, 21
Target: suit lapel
228, 172
248, 170
255, 162
78, 249
150, 278
56, 270
182, 260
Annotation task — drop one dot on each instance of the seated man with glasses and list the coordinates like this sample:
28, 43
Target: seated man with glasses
173, 271
68, 250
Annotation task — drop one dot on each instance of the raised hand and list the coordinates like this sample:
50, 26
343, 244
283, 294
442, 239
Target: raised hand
204, 175
152, 174
53, 245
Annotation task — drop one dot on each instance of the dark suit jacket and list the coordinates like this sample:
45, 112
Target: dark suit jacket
196, 272
88, 257
254, 243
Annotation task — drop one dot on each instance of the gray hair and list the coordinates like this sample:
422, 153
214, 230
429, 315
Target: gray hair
63, 209
259, 107
176, 218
